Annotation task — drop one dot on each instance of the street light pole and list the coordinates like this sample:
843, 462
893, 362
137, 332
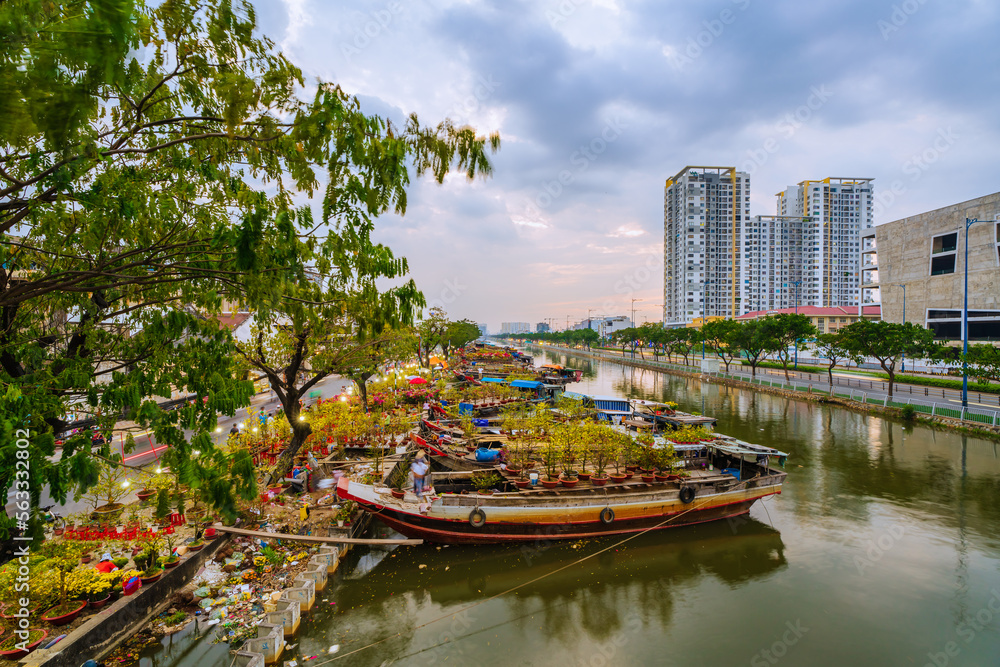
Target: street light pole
902, 356
633, 324
796, 283
965, 316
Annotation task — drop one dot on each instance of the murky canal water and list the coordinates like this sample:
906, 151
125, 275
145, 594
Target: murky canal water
884, 549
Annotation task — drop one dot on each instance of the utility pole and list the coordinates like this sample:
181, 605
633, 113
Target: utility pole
633, 324
796, 283
902, 356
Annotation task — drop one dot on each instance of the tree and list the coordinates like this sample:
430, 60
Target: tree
786, 330
886, 342
135, 198
723, 337
458, 335
984, 359
831, 346
431, 332
682, 341
757, 339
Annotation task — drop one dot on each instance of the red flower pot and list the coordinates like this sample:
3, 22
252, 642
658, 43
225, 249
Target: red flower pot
17, 654
196, 547
97, 604
512, 472
632, 468
662, 478
569, 482
396, 493
618, 479
584, 476
522, 483
550, 483
145, 495
598, 481
67, 617
171, 563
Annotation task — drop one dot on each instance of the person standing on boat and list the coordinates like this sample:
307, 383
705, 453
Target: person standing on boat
420, 467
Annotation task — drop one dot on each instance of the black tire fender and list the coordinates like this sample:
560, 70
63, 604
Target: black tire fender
477, 518
687, 494
607, 515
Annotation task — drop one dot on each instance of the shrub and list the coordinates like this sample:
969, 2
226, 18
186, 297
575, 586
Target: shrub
908, 412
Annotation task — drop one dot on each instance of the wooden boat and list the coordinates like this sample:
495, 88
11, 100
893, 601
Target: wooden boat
742, 475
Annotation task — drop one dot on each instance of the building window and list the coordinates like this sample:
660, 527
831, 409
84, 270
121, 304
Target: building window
944, 253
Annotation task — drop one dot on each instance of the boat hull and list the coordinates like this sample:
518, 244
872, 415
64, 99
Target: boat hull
505, 518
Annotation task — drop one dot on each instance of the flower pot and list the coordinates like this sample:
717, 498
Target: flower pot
512, 472
57, 531
660, 477
396, 493
35, 637
86, 558
585, 476
632, 468
522, 483
148, 580
97, 604
550, 483
195, 547
618, 478
145, 495
171, 563
570, 482
57, 616
599, 481
340, 523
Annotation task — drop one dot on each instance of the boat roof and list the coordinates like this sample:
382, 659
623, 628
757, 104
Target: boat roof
526, 384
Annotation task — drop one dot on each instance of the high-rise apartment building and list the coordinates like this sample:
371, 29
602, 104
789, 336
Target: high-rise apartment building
515, 328
776, 249
703, 209
841, 209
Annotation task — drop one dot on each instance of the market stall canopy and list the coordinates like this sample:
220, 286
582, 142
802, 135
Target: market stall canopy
554, 366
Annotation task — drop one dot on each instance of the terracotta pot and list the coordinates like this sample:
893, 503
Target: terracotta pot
195, 547
17, 654
64, 618
550, 483
145, 495
86, 558
512, 472
662, 478
396, 493
171, 563
522, 483
632, 468
585, 476
148, 580
598, 481
618, 479
570, 482
97, 604
57, 531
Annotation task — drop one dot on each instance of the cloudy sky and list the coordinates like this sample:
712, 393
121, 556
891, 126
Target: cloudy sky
599, 101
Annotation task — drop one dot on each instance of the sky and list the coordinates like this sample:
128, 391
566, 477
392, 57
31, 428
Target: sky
598, 102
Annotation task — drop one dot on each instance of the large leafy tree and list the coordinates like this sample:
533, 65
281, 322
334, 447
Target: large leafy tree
724, 337
887, 342
984, 359
787, 329
831, 346
148, 161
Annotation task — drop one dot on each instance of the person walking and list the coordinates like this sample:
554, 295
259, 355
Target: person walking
420, 467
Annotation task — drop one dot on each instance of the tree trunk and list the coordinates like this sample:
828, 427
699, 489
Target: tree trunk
829, 372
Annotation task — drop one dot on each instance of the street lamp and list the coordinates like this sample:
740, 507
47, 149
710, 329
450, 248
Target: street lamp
796, 283
633, 324
902, 356
965, 314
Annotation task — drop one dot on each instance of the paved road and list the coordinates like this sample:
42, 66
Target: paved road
146, 452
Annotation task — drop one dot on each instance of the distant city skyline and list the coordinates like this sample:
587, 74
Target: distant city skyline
599, 102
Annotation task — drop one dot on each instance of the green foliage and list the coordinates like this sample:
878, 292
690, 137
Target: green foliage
887, 342
483, 480
908, 412
162, 504
151, 155
984, 361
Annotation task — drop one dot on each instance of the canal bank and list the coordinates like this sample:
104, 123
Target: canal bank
980, 420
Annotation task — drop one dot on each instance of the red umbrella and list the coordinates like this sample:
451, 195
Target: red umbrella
418, 381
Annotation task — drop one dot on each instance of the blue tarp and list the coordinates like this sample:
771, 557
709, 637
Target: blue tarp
526, 384
500, 380
465, 408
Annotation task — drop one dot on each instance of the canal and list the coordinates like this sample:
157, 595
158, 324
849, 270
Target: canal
883, 549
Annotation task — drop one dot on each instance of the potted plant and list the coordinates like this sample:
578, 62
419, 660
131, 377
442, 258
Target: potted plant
601, 436
345, 513
9, 647
112, 485
552, 451
485, 480
64, 559
198, 542
171, 560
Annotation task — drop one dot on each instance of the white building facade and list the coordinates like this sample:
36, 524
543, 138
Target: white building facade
515, 328
703, 209
841, 209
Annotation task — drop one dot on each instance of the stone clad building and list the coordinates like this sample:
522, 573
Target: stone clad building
925, 252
